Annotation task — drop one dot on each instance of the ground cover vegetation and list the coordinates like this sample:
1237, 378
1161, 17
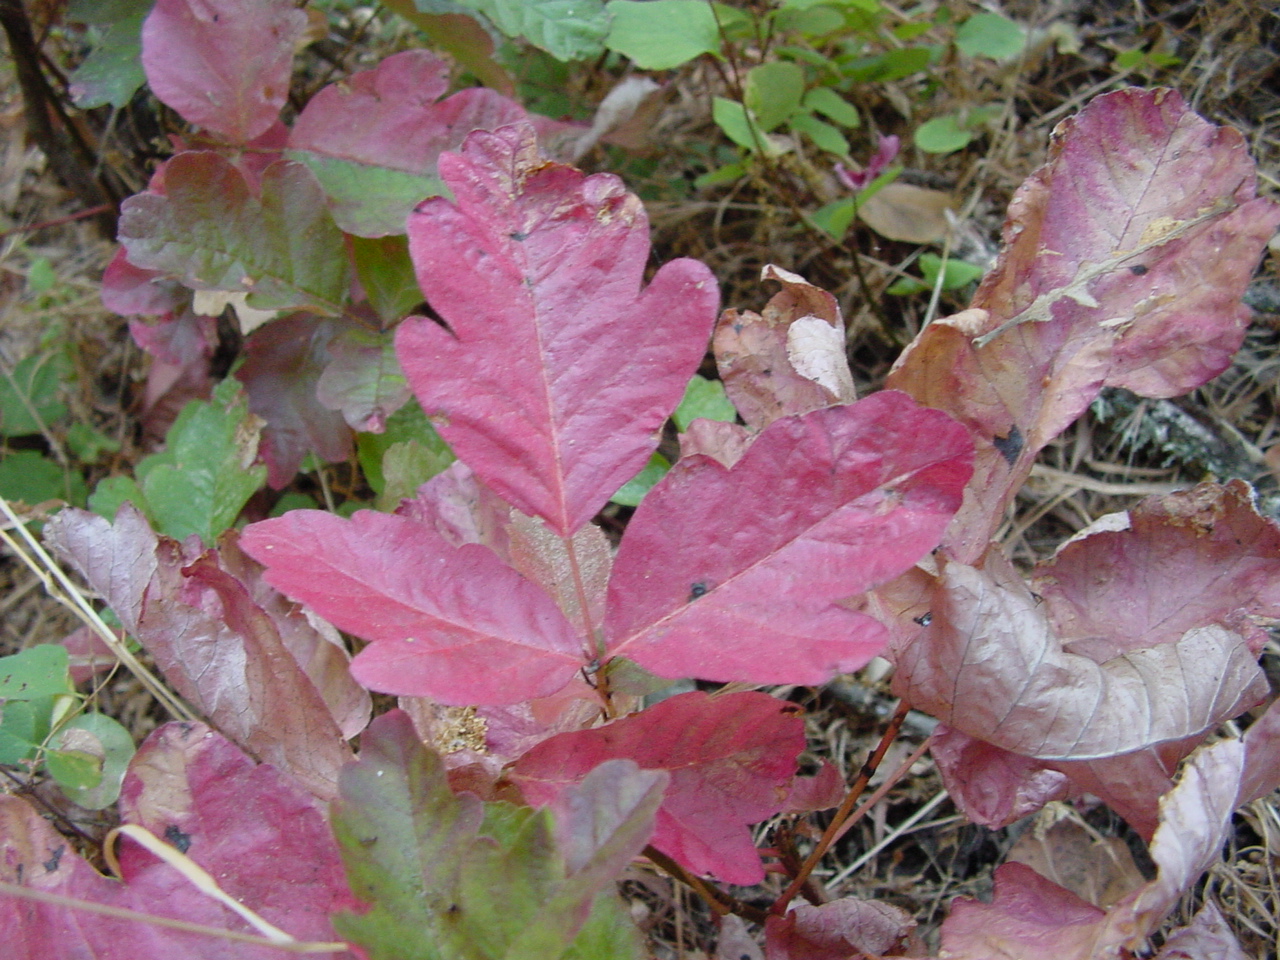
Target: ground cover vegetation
465, 568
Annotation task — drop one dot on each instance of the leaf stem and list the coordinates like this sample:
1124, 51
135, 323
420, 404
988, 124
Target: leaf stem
846, 807
719, 901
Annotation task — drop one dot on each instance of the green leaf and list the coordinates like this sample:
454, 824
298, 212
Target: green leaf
942, 135
957, 274
823, 134
704, 399
740, 127
23, 727
446, 876
662, 34
112, 492
205, 476
566, 29
990, 35
834, 107
406, 466
890, 66
40, 276
109, 748
409, 426
87, 444
368, 199
75, 770
39, 671
812, 20
773, 92
31, 478
729, 173
386, 273
29, 399
213, 233
834, 218
112, 73
633, 490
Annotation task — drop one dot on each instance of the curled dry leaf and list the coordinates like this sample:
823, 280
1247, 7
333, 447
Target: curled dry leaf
990, 665
908, 213
841, 929
1139, 287
1132, 583
754, 353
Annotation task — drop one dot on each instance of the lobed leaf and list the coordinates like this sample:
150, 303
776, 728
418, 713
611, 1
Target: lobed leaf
373, 139
213, 232
1138, 287
840, 929
555, 372
453, 623
730, 758
825, 506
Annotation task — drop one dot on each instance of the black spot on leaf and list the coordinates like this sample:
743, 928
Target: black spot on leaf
924, 619
1138, 269
55, 856
176, 838
1010, 446
699, 589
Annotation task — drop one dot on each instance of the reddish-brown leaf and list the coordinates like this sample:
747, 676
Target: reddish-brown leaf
730, 759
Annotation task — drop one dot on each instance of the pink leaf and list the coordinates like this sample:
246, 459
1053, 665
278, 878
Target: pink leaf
1030, 918
1138, 287
284, 362
752, 356
730, 759
1207, 937
563, 567
266, 842
840, 929
990, 664
557, 371
385, 127
130, 291
1177, 562
823, 506
991, 786
452, 623
821, 791
223, 64
363, 381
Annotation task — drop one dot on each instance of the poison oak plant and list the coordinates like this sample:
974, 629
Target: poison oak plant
492, 814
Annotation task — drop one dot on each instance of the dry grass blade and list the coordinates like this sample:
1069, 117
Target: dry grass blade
62, 589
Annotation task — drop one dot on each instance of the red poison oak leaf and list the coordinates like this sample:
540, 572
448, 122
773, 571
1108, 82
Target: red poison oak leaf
731, 760
556, 371
223, 64
734, 574
453, 623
